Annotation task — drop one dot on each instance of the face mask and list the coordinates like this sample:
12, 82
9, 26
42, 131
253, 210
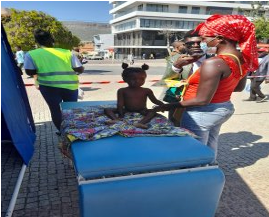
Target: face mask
204, 47
211, 50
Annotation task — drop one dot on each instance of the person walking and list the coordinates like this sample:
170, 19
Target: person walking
258, 77
207, 97
19, 57
55, 69
132, 59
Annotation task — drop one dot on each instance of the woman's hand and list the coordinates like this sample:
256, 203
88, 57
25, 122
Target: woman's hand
184, 60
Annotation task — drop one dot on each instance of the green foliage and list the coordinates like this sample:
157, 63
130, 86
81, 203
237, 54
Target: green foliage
22, 24
262, 29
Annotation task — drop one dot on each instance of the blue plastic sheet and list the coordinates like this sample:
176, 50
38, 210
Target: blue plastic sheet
17, 120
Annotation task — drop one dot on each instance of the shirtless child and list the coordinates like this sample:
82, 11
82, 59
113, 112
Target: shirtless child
134, 97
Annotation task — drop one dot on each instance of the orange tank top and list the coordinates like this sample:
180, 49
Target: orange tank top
226, 85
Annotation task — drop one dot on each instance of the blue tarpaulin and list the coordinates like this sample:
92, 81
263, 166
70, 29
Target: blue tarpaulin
17, 122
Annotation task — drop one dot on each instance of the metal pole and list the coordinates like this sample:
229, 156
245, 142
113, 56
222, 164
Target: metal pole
12, 202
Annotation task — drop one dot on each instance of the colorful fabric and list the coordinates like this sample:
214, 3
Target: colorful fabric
88, 123
237, 28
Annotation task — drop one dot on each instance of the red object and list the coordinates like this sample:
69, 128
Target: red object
226, 86
121, 81
237, 28
85, 82
103, 82
28, 84
263, 49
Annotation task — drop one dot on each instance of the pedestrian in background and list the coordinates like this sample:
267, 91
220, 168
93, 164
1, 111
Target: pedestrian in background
131, 59
55, 69
259, 76
207, 97
19, 57
143, 56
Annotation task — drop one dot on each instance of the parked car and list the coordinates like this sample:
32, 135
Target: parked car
95, 57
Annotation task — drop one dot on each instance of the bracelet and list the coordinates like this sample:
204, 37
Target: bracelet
178, 70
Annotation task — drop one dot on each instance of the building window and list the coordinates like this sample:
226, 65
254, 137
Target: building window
195, 10
124, 26
218, 10
182, 9
140, 7
157, 8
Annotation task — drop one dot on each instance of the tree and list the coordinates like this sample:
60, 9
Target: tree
169, 34
262, 29
21, 25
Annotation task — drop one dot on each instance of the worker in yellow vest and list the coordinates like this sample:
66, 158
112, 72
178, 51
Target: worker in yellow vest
56, 71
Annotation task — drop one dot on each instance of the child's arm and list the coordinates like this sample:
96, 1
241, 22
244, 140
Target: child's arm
120, 102
153, 98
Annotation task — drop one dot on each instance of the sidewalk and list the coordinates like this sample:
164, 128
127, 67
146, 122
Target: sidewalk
49, 186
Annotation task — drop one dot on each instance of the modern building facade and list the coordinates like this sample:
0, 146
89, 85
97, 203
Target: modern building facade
146, 27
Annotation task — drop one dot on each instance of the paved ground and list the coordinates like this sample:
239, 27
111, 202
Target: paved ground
49, 186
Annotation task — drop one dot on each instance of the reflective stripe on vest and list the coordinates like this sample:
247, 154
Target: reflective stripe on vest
56, 73
54, 68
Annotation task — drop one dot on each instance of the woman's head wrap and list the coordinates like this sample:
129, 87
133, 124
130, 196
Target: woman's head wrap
237, 28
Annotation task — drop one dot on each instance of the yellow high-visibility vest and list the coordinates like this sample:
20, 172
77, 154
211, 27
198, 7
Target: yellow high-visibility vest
54, 68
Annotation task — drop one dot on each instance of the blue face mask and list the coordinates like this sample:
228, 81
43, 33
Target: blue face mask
203, 46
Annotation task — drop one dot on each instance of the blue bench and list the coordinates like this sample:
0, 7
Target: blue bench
145, 176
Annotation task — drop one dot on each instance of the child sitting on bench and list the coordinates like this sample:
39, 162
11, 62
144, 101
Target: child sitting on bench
134, 97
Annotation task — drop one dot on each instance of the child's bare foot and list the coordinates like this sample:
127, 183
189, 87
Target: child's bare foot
109, 122
142, 126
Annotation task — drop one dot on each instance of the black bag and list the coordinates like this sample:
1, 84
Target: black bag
173, 94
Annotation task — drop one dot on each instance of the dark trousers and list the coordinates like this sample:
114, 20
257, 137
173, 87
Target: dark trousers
53, 97
255, 88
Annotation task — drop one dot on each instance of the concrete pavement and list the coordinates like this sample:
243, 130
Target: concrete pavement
49, 186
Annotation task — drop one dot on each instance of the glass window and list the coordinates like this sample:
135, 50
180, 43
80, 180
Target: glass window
146, 23
157, 8
181, 24
140, 7
158, 24
142, 22
195, 10
218, 10
186, 25
182, 9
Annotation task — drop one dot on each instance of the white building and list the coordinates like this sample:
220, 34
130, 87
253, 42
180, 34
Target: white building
103, 44
139, 27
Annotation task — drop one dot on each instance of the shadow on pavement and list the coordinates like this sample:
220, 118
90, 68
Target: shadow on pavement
237, 151
89, 88
11, 163
49, 186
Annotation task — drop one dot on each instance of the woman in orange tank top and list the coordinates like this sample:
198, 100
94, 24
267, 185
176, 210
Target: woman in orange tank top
207, 97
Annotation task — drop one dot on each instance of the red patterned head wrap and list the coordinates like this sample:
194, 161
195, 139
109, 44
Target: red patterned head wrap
237, 28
